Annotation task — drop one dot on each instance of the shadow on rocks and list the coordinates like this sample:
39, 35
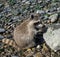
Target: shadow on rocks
39, 36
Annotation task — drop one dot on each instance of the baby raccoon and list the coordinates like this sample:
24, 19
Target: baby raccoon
24, 33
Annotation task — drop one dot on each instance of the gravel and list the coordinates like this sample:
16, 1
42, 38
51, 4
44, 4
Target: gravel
14, 11
52, 37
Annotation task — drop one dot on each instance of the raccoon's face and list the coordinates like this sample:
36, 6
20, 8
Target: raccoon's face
35, 21
36, 25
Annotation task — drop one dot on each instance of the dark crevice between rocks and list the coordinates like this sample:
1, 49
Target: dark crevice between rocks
39, 39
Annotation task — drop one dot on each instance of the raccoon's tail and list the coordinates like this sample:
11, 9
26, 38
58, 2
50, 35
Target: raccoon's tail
10, 43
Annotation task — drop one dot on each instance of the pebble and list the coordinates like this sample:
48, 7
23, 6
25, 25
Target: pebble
27, 2
1, 5
1, 37
14, 56
58, 9
38, 54
39, 1
32, 1
15, 18
2, 30
1, 15
53, 17
24, 1
45, 17
40, 11
15, 12
53, 9
48, 0
40, 25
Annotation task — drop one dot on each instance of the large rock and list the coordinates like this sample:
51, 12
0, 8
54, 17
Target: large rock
52, 37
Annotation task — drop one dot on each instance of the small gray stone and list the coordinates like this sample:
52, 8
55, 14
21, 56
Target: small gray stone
32, 1
58, 9
15, 18
48, 0
1, 37
40, 25
1, 5
25, 11
24, 1
2, 30
15, 11
14, 56
53, 9
45, 17
39, 1
52, 37
7, 9
27, 2
53, 17
40, 11
1, 15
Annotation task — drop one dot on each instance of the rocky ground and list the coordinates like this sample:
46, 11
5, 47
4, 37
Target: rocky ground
13, 12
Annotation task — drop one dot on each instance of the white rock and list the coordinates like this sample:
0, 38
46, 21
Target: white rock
52, 38
14, 56
38, 46
40, 11
53, 17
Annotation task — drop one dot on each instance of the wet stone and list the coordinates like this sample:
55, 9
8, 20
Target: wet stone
2, 30
1, 5
27, 2
1, 37
40, 12
14, 56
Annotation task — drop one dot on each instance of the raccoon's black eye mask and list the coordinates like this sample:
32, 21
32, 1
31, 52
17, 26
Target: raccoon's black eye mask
36, 25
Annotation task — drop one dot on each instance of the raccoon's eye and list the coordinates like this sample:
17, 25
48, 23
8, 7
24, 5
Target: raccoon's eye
36, 23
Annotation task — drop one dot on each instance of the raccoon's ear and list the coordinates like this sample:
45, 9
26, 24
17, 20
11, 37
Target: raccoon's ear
32, 16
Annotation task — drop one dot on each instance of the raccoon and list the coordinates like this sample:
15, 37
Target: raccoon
24, 33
